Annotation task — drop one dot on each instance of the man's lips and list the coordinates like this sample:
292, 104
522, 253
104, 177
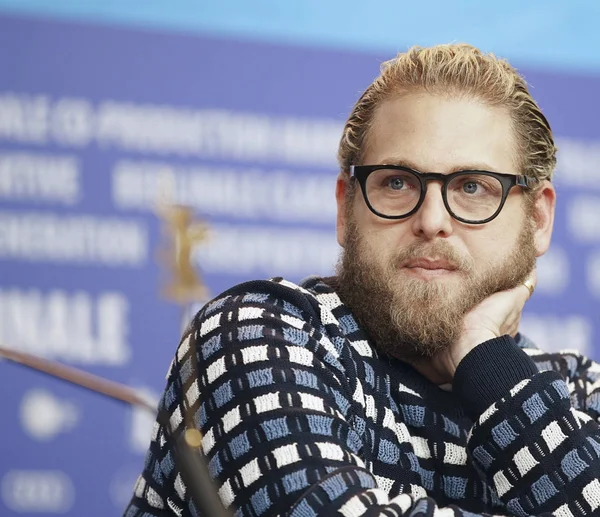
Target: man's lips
425, 263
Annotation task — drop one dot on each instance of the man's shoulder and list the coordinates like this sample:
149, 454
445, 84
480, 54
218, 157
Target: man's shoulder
277, 295
270, 319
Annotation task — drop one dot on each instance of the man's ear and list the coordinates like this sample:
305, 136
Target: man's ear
544, 206
341, 190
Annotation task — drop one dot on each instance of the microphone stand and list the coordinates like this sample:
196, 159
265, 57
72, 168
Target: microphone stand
194, 471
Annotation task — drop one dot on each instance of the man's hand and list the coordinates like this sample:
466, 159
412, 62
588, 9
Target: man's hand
495, 316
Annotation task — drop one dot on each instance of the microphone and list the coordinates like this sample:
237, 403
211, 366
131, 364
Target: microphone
190, 461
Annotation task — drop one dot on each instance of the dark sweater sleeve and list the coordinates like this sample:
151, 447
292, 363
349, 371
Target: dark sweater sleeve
537, 451
489, 371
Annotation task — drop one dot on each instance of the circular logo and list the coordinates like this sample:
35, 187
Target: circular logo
44, 416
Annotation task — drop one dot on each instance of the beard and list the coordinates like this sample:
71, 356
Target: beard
410, 318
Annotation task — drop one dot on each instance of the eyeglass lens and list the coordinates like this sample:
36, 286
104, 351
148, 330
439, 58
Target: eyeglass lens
473, 196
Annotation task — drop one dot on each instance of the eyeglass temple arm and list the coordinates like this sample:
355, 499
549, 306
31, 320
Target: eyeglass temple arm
526, 181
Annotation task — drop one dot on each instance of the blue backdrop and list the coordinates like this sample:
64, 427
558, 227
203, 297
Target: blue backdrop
95, 122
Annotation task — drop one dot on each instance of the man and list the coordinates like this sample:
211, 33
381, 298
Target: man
401, 386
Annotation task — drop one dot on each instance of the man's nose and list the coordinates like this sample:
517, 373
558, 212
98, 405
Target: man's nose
432, 219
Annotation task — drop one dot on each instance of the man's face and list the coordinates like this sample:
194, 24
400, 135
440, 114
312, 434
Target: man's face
409, 282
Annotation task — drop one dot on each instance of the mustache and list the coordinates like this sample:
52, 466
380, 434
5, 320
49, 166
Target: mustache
439, 250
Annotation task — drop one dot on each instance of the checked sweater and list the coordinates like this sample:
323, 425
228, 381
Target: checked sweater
301, 416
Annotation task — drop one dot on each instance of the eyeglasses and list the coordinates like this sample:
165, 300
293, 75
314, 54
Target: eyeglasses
472, 197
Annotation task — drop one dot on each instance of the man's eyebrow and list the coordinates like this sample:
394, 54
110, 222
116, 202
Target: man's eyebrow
404, 162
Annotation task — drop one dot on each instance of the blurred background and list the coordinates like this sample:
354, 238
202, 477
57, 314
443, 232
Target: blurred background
112, 112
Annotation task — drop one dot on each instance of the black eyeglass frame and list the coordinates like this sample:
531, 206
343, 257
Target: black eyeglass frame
361, 172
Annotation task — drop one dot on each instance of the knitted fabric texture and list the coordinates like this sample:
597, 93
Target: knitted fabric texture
301, 416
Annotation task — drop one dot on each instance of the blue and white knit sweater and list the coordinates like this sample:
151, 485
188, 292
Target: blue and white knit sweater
302, 417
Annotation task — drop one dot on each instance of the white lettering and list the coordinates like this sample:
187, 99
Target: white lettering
265, 251
169, 130
113, 312
71, 327
279, 195
25, 176
24, 118
72, 122
46, 491
217, 133
37, 236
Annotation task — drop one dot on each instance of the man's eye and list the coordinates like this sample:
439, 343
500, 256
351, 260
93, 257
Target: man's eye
470, 187
396, 183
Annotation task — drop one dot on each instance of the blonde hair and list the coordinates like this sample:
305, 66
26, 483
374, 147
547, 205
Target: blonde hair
456, 69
